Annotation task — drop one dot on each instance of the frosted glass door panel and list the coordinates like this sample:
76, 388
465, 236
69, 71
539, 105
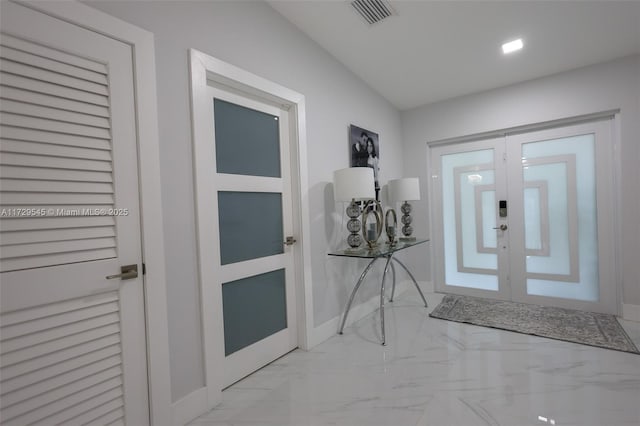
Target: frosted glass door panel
254, 308
250, 225
561, 235
469, 214
247, 141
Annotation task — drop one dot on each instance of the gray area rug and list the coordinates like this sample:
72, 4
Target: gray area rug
587, 328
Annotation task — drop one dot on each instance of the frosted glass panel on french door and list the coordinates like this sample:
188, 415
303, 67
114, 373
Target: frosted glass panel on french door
468, 219
561, 233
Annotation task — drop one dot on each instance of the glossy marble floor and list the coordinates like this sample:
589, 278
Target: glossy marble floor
435, 372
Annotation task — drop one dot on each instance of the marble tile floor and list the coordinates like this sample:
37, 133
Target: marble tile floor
435, 372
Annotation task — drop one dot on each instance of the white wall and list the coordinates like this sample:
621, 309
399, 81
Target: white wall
602, 87
254, 37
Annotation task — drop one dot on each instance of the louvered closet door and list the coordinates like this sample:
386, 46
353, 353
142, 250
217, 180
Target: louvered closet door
72, 341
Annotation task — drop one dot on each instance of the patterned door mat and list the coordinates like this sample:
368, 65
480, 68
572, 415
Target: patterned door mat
587, 328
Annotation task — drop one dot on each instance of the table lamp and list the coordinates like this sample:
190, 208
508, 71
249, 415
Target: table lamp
404, 190
354, 184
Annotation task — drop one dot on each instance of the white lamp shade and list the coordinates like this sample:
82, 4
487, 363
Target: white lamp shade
354, 183
406, 189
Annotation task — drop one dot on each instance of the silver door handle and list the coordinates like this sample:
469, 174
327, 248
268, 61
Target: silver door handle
502, 227
128, 272
290, 241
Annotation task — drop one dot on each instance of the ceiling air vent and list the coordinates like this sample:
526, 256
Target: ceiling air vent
373, 10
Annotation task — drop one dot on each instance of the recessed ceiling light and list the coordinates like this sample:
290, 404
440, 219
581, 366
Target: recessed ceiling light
512, 46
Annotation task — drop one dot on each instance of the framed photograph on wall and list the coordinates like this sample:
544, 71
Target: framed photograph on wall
364, 148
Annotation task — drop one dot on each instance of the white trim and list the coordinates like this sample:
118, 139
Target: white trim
142, 43
631, 312
189, 407
205, 69
500, 133
616, 208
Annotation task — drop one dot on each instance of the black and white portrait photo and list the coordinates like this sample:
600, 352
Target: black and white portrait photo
364, 148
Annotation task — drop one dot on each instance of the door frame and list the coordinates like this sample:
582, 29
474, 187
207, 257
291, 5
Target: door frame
153, 256
613, 180
208, 71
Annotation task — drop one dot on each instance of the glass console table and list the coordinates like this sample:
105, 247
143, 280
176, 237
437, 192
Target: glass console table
383, 251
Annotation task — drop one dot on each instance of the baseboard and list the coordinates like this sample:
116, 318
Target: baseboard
329, 328
631, 312
189, 407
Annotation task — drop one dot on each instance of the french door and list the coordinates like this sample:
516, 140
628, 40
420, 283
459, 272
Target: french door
528, 217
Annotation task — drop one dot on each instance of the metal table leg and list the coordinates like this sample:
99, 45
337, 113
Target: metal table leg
384, 275
353, 293
414, 281
393, 288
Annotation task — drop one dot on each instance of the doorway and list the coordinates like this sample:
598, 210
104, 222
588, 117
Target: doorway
528, 217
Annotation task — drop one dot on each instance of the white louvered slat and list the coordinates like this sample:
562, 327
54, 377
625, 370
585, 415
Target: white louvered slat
34, 148
15, 172
15, 68
53, 321
52, 65
26, 237
28, 160
117, 423
56, 114
60, 222
70, 200
46, 398
57, 259
10, 93
31, 135
70, 406
21, 185
57, 55
15, 396
16, 120
12, 318
34, 371
37, 249
58, 357
100, 399
46, 88
27, 347
55, 333
106, 414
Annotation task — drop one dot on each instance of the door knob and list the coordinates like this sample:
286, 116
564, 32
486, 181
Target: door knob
502, 227
128, 272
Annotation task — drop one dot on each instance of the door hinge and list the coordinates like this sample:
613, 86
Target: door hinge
144, 269
504, 157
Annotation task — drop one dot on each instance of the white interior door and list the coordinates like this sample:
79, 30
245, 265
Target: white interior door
527, 217
73, 342
253, 214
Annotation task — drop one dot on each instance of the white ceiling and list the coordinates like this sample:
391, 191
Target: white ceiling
435, 50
